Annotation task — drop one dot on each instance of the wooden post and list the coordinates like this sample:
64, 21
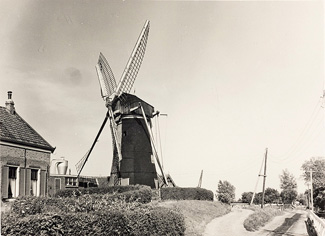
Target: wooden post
262, 205
311, 190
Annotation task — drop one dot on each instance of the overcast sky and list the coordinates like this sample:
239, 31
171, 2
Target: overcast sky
233, 77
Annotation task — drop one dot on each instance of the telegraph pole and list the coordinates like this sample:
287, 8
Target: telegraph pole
262, 205
311, 190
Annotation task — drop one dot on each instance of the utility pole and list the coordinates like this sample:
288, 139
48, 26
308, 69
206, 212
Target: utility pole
262, 205
311, 190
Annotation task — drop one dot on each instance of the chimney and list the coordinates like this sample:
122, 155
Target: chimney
10, 105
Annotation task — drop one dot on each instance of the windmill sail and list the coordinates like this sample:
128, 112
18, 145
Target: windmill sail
81, 163
105, 76
134, 63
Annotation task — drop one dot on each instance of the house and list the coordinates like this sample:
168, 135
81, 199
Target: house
24, 156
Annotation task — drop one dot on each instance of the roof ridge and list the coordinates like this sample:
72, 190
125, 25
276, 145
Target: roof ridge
36, 138
35, 131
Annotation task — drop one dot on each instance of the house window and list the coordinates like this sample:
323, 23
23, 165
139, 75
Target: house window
70, 181
34, 182
12, 182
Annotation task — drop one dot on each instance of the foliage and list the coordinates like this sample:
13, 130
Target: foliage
91, 214
288, 185
258, 198
287, 180
319, 198
186, 194
225, 192
302, 198
100, 190
317, 165
85, 203
271, 195
138, 221
197, 213
260, 217
288, 196
246, 197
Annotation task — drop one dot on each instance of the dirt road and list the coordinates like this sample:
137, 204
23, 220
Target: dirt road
230, 224
290, 223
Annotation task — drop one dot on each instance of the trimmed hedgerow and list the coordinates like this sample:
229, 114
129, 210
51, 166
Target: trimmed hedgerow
85, 203
186, 194
100, 190
136, 221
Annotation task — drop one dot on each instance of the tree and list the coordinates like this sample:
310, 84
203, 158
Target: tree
288, 196
302, 198
287, 180
271, 195
288, 185
246, 197
225, 192
319, 198
258, 198
317, 165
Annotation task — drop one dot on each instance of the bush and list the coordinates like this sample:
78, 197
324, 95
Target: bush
138, 221
29, 205
24, 206
259, 218
186, 194
101, 190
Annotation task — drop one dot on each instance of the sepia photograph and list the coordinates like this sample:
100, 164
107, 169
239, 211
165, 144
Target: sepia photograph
122, 117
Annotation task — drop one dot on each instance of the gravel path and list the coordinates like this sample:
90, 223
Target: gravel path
230, 224
290, 223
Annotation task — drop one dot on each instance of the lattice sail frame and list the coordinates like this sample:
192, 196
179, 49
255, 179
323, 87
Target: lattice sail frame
132, 67
105, 76
79, 166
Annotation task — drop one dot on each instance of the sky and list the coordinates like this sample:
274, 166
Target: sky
233, 77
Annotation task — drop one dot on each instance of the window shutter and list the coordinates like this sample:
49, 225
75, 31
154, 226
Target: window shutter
28, 182
22, 182
43, 182
4, 181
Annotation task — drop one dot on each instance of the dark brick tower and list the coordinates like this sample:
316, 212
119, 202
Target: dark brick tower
137, 165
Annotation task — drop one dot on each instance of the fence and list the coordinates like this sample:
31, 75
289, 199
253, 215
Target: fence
317, 223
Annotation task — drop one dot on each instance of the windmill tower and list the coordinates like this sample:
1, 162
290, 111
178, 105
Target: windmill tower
134, 151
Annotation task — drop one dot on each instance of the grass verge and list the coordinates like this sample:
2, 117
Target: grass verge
197, 213
260, 217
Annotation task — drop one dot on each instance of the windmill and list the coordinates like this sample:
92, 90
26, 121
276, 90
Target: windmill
134, 149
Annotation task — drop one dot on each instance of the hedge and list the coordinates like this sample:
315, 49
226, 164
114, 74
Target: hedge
101, 190
24, 206
186, 194
138, 221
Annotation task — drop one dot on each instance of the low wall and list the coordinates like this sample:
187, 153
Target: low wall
317, 223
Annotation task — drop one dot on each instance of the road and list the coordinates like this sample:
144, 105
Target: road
291, 223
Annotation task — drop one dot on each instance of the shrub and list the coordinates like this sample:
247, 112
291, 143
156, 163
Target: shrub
101, 190
186, 194
225, 192
259, 218
85, 203
138, 221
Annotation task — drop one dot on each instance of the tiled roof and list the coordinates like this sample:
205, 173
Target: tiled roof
15, 130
